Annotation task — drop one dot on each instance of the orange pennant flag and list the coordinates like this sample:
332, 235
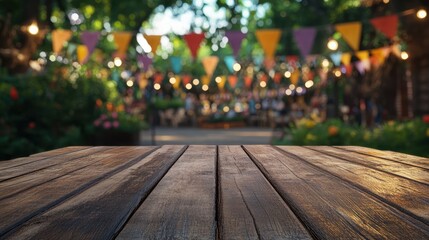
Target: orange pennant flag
346, 58
176, 84
158, 77
277, 77
248, 81
362, 55
221, 83
122, 41
210, 64
269, 39
82, 54
205, 80
153, 41
143, 82
232, 80
388, 25
59, 37
379, 55
294, 78
351, 33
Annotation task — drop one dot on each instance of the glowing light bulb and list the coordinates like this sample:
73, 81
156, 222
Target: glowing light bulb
421, 13
263, 84
332, 44
288, 74
299, 90
325, 63
188, 86
226, 109
130, 83
157, 86
33, 29
205, 88
218, 79
196, 82
236, 67
404, 55
117, 61
292, 87
288, 92
172, 80
309, 84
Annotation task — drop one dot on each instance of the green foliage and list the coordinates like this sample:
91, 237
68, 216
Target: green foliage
409, 137
162, 104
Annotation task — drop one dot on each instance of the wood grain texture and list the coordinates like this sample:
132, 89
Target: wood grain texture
410, 172
250, 207
101, 211
394, 156
183, 204
45, 163
22, 207
330, 207
59, 151
410, 196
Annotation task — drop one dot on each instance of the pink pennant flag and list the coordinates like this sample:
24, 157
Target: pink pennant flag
235, 38
144, 61
194, 41
304, 38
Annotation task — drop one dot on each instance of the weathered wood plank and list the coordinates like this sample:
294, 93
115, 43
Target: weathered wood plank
183, 204
394, 156
59, 151
35, 166
250, 208
21, 207
408, 195
37, 157
101, 211
410, 172
332, 208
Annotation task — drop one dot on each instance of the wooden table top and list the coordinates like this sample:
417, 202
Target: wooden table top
215, 192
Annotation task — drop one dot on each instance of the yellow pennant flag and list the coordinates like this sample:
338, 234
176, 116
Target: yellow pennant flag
294, 78
122, 41
59, 37
346, 58
153, 41
362, 55
205, 80
221, 83
143, 82
269, 39
351, 33
82, 54
176, 84
210, 64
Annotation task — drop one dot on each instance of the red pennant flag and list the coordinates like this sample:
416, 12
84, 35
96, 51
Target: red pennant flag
248, 81
186, 79
194, 41
277, 78
388, 25
232, 80
158, 78
292, 60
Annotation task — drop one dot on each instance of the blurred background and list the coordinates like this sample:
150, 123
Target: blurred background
294, 72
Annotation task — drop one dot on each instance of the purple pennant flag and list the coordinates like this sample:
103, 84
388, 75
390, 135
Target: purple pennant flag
144, 61
235, 38
90, 39
304, 38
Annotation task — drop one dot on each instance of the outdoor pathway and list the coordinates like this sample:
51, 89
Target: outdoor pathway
188, 136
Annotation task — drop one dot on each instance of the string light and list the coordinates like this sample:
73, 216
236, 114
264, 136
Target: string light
205, 88
218, 79
309, 84
236, 67
130, 83
33, 29
188, 86
117, 61
404, 55
172, 80
196, 82
288, 74
157, 86
263, 84
421, 13
226, 109
292, 87
337, 73
288, 92
325, 63
332, 44
299, 90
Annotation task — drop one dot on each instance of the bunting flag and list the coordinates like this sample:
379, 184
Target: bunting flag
351, 33
176, 84
235, 38
396, 49
248, 81
360, 66
144, 62
59, 37
194, 41
153, 41
221, 84
158, 77
292, 60
269, 39
210, 64
294, 78
229, 62
336, 58
186, 79
122, 41
362, 55
277, 77
143, 82
346, 58
304, 38
90, 39
379, 55
388, 25
232, 80
82, 54
176, 64
205, 80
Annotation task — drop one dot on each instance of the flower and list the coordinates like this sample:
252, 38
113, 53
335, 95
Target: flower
114, 115
332, 131
115, 124
310, 137
14, 93
107, 125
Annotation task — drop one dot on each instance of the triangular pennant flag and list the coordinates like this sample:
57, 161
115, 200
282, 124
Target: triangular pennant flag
346, 58
269, 38
210, 64
59, 37
232, 80
362, 66
143, 82
194, 41
379, 55
144, 62
351, 33
349, 70
336, 58
269, 63
362, 55
82, 54
122, 41
158, 77
229, 62
176, 64
176, 84
221, 83
304, 39
205, 80
248, 81
153, 41
186, 79
396, 49
292, 60
90, 39
277, 77
388, 25
294, 78
235, 38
